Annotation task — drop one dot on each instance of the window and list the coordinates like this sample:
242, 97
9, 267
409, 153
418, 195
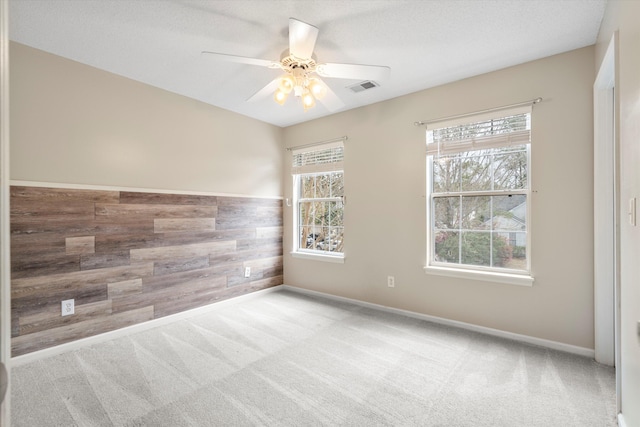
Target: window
479, 193
318, 183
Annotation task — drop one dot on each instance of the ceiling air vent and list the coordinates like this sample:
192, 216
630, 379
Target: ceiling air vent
362, 86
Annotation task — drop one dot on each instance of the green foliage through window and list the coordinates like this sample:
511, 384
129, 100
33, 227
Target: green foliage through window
479, 189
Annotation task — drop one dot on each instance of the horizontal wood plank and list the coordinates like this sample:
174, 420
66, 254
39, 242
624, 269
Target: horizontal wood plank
172, 239
80, 245
162, 268
182, 225
74, 331
228, 223
166, 199
124, 288
197, 298
124, 242
249, 201
50, 318
154, 211
267, 243
177, 294
33, 304
243, 289
75, 281
264, 262
61, 195
266, 282
269, 232
183, 251
88, 227
30, 212
43, 265
37, 243
204, 275
105, 260
245, 255
228, 269
274, 271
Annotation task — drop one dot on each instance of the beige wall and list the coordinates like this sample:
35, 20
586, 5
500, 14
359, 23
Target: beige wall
71, 123
75, 124
624, 17
385, 211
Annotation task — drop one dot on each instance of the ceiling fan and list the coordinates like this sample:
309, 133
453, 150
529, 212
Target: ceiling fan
301, 70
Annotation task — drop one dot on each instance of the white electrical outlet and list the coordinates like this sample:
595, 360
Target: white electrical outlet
247, 272
68, 307
391, 282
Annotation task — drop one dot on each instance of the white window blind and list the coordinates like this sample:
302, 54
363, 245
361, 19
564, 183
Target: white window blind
319, 158
492, 130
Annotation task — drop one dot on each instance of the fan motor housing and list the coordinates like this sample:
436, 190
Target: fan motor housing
291, 62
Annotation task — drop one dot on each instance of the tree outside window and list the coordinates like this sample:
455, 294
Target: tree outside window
319, 199
321, 212
478, 185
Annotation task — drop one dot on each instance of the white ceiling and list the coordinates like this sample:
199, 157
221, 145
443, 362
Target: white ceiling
425, 42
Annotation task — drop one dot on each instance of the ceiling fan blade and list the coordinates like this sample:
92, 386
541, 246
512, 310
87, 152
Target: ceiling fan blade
268, 90
302, 38
241, 59
354, 71
331, 100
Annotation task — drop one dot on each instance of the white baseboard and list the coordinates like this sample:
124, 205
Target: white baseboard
568, 348
621, 421
106, 336
62, 348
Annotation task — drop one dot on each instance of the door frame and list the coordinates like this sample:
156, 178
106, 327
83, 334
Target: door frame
5, 265
606, 207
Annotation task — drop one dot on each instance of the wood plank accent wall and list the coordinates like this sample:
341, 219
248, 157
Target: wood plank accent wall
128, 257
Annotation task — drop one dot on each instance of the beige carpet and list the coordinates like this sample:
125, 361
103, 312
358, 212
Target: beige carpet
286, 359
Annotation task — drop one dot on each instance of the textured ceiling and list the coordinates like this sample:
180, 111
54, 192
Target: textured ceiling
425, 42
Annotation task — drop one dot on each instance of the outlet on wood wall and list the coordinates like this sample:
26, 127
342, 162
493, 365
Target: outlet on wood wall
129, 257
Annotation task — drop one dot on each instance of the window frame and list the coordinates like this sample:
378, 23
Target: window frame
297, 201
468, 271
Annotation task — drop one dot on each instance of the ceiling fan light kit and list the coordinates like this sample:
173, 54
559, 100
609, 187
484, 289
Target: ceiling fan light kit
300, 64
297, 80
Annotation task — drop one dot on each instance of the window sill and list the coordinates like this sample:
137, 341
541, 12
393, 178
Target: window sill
486, 276
339, 259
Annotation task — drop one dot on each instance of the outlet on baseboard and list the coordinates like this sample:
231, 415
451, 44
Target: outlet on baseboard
247, 272
391, 281
68, 307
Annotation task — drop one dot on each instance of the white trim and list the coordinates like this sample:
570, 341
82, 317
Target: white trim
318, 146
621, 421
5, 261
486, 276
607, 317
328, 142
132, 189
319, 257
604, 206
554, 345
128, 330
515, 192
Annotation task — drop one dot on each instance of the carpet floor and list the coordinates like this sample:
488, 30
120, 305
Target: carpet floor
289, 359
